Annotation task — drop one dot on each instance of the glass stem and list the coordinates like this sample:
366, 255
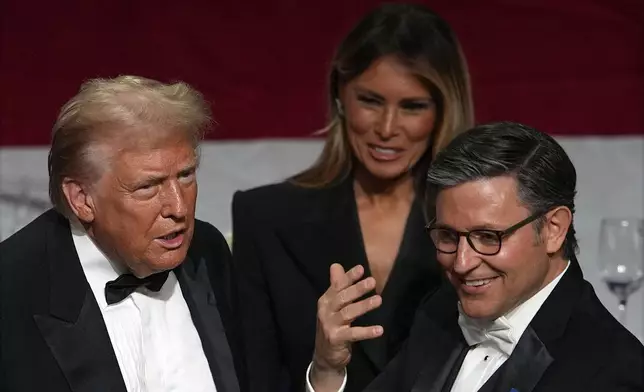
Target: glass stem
622, 312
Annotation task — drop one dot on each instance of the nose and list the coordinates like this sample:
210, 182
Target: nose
467, 259
174, 202
388, 123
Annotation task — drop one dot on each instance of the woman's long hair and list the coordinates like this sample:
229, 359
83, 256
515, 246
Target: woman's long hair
425, 43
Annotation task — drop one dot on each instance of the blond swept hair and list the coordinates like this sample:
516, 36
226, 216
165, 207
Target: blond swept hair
422, 41
128, 109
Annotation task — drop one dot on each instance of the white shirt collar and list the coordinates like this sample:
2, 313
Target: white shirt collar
98, 268
505, 331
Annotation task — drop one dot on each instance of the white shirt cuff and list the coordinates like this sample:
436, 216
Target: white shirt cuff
309, 387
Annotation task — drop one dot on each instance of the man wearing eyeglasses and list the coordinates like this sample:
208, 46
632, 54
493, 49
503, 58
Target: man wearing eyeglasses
518, 315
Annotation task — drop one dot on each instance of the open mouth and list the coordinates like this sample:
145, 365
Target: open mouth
384, 153
172, 240
478, 283
171, 236
387, 151
477, 286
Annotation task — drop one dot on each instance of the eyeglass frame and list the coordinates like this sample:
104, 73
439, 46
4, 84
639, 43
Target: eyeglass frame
499, 233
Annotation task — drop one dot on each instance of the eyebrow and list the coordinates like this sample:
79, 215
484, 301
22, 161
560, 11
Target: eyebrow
366, 91
149, 180
476, 227
155, 180
189, 168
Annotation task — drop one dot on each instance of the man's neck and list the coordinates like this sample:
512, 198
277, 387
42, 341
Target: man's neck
513, 322
558, 267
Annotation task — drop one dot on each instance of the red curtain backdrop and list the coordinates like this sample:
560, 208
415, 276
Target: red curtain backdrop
568, 67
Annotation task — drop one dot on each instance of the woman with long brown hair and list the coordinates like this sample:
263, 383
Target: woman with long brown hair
398, 92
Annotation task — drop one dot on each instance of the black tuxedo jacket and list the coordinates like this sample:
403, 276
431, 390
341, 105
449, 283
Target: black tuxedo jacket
52, 333
572, 345
285, 238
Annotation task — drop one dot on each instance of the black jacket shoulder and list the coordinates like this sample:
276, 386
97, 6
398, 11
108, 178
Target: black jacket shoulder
23, 248
207, 236
284, 202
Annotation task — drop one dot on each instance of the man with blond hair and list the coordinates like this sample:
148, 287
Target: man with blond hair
119, 287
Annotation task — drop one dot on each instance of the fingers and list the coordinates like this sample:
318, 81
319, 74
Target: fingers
336, 311
341, 280
352, 293
356, 334
336, 273
349, 313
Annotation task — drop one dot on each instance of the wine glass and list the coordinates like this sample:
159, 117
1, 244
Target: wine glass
621, 259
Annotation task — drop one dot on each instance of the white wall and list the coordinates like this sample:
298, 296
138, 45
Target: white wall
610, 183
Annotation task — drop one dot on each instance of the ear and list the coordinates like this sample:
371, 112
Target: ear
79, 200
339, 107
341, 99
556, 227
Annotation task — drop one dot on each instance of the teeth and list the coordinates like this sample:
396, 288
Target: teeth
477, 283
170, 236
385, 150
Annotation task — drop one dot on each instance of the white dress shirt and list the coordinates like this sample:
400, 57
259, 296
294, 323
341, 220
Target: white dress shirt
494, 341
156, 344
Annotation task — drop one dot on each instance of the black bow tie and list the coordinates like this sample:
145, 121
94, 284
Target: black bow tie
118, 289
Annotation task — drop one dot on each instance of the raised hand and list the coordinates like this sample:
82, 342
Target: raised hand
334, 335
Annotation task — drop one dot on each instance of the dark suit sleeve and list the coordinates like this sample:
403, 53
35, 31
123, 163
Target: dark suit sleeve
392, 376
402, 372
625, 374
262, 350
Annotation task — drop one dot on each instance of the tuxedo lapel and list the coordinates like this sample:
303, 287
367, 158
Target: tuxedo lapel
533, 354
74, 330
202, 303
443, 355
523, 370
455, 368
445, 347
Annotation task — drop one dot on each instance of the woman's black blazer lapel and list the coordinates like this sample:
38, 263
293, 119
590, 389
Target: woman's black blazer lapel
317, 238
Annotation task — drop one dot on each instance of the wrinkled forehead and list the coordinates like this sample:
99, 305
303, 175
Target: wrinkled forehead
144, 135
168, 155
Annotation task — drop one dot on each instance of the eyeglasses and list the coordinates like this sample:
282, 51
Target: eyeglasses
484, 241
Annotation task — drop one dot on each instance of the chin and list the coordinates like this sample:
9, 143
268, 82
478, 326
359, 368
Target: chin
387, 174
175, 258
477, 310
168, 260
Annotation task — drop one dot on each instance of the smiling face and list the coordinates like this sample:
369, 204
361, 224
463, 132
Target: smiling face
490, 286
389, 118
141, 211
